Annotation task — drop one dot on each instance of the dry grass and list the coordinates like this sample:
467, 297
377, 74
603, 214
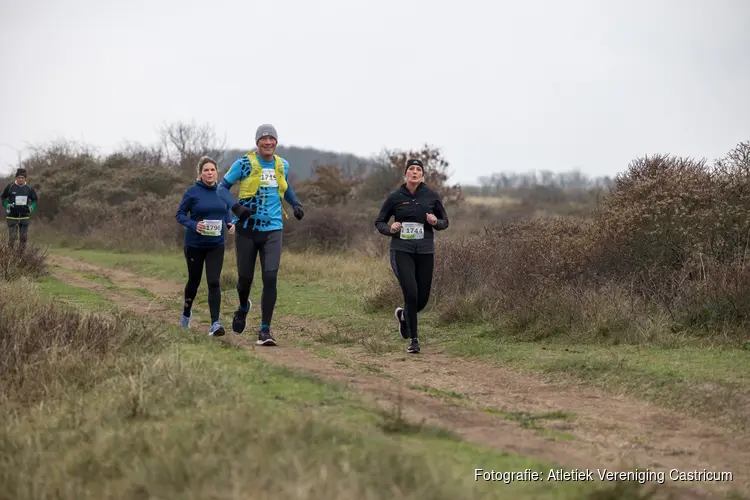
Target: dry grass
15, 263
46, 346
492, 201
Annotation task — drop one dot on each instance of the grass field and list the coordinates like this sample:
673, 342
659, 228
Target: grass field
185, 416
689, 378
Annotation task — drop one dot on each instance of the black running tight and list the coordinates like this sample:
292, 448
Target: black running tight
214, 261
414, 274
248, 246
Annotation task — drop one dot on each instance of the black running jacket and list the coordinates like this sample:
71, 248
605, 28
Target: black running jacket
417, 235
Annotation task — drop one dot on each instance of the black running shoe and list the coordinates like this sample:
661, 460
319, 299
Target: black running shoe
413, 347
265, 338
403, 329
238, 321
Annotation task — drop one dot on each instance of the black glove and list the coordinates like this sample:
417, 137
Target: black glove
242, 211
298, 212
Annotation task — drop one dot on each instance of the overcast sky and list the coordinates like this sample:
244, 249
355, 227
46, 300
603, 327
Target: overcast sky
499, 86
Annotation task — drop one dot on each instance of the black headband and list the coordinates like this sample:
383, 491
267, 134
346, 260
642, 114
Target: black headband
413, 161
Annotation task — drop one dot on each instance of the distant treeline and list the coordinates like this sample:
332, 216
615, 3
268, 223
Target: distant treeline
181, 144
572, 179
304, 161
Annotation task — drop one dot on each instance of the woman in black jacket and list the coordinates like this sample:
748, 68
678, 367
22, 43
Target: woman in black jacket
417, 211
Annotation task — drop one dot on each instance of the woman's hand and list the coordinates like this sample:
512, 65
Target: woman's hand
395, 227
431, 219
200, 227
231, 228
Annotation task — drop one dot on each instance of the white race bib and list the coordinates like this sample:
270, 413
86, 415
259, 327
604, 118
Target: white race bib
412, 231
21, 200
268, 178
212, 227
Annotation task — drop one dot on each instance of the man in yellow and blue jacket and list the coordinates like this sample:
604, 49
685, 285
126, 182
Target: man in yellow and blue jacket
19, 200
263, 177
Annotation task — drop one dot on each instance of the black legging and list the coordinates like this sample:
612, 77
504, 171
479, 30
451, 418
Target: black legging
214, 261
414, 274
248, 245
18, 228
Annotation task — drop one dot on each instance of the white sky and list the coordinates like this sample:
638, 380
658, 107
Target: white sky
499, 86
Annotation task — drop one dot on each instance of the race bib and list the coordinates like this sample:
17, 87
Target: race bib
213, 227
268, 178
412, 231
21, 200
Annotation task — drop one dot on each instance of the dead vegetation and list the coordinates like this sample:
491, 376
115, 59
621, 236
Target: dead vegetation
660, 259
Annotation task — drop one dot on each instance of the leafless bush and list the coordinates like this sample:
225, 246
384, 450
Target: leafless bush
330, 228
14, 263
665, 252
44, 343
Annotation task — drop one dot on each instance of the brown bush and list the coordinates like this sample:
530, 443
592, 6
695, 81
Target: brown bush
330, 228
665, 252
14, 264
389, 174
44, 343
328, 186
509, 267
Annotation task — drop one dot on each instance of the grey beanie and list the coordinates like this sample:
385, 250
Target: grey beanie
264, 130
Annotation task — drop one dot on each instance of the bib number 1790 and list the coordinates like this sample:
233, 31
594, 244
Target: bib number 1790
212, 227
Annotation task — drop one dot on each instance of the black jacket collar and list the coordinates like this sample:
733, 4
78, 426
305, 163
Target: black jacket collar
420, 187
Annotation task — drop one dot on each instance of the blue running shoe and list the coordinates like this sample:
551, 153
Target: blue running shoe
216, 330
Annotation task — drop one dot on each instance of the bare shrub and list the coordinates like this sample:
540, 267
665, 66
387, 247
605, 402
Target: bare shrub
44, 343
329, 228
508, 267
663, 256
14, 263
390, 174
328, 186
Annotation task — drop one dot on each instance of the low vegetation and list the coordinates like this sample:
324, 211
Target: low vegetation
14, 265
116, 405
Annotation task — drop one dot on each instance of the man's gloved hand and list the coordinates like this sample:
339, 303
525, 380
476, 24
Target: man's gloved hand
298, 212
242, 212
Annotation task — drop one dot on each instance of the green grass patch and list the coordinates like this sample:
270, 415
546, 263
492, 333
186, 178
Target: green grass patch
69, 294
437, 392
532, 420
168, 266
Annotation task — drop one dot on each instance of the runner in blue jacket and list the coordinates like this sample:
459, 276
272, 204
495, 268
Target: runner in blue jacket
204, 240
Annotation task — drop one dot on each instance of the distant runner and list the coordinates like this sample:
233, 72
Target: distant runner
264, 182
417, 211
19, 200
204, 240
